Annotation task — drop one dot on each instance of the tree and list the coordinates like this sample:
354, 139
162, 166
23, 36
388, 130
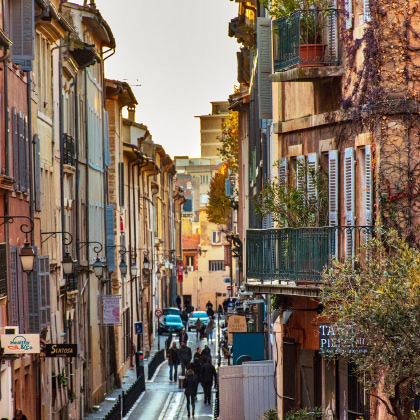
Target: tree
218, 207
302, 202
375, 306
230, 143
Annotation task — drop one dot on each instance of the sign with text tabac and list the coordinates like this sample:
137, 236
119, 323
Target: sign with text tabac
61, 350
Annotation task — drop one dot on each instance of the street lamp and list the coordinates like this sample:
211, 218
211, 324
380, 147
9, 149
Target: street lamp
27, 258
134, 270
98, 268
158, 274
68, 264
123, 267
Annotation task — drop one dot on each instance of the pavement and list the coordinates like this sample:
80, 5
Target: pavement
163, 399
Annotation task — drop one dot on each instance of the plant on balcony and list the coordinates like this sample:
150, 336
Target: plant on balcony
375, 306
293, 204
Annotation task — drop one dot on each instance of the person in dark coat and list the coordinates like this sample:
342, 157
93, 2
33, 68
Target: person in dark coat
190, 385
184, 319
178, 302
19, 415
207, 373
184, 354
183, 336
197, 353
173, 361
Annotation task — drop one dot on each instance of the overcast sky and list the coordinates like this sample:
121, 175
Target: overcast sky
181, 54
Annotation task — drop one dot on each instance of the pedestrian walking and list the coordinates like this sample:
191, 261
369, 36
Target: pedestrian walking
197, 353
173, 362
220, 311
206, 353
190, 385
183, 336
184, 318
207, 374
198, 325
226, 353
209, 330
19, 415
178, 302
184, 354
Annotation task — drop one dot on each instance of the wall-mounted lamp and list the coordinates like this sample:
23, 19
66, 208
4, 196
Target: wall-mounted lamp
27, 258
98, 268
158, 274
123, 267
68, 264
134, 270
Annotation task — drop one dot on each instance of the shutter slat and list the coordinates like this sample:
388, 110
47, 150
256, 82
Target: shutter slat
348, 7
110, 237
368, 185
333, 187
300, 172
312, 169
15, 140
37, 171
282, 174
349, 198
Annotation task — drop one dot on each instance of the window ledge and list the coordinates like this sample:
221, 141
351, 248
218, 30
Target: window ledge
307, 73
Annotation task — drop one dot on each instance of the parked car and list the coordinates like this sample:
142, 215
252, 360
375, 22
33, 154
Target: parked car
193, 319
171, 311
170, 324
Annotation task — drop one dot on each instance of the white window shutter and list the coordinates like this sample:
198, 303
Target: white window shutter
348, 7
349, 198
368, 185
366, 10
332, 50
333, 187
283, 170
264, 68
312, 166
300, 171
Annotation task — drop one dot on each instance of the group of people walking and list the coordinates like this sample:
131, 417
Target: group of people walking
200, 370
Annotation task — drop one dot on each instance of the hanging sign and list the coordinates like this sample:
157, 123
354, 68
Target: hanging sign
61, 350
228, 256
111, 309
20, 343
180, 273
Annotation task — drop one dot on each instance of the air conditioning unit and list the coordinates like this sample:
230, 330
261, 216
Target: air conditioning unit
190, 268
9, 330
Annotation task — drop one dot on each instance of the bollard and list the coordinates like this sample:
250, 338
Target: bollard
139, 363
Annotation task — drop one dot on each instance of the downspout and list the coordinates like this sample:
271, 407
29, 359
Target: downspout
31, 180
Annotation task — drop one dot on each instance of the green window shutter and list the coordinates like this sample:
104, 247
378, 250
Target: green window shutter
37, 173
22, 33
333, 187
312, 168
121, 177
106, 141
110, 237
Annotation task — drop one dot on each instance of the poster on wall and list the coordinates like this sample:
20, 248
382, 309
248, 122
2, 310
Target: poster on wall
111, 313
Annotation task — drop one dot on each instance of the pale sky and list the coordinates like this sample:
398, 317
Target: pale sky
181, 54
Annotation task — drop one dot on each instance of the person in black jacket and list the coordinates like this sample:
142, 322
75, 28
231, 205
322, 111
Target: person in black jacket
184, 355
190, 385
207, 373
173, 361
183, 336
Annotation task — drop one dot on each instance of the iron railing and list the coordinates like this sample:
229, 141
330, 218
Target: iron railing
306, 38
69, 150
115, 413
216, 407
130, 396
300, 254
156, 361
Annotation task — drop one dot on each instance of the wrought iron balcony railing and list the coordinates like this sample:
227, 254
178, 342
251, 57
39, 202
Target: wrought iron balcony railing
300, 254
69, 150
306, 38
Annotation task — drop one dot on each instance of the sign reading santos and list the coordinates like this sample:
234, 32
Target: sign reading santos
20, 343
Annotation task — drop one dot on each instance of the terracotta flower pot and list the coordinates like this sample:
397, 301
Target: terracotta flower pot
312, 55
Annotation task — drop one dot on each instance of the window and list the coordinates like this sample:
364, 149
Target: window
217, 265
216, 237
188, 205
20, 150
188, 185
204, 179
189, 262
204, 198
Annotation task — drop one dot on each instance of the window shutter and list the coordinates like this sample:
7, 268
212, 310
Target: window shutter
300, 171
348, 7
106, 140
264, 67
110, 237
366, 10
15, 139
282, 175
44, 284
332, 49
333, 187
14, 285
368, 185
312, 169
37, 170
121, 176
22, 33
22, 168
349, 197
3, 270
34, 300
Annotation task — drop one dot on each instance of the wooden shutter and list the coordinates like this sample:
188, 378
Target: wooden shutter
282, 174
3, 270
14, 285
21, 136
264, 68
44, 284
368, 185
121, 176
366, 10
106, 140
110, 237
15, 140
312, 169
300, 172
332, 48
349, 198
348, 8
333, 187
34, 300
22, 33
37, 173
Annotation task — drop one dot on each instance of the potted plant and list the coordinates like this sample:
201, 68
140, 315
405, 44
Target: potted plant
312, 17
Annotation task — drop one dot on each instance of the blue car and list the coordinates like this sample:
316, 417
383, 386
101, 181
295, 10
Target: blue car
193, 319
170, 324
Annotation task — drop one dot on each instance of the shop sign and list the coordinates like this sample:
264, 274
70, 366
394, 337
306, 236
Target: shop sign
236, 323
20, 343
111, 309
61, 350
329, 343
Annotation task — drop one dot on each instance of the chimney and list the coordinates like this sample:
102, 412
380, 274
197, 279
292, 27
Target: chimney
132, 113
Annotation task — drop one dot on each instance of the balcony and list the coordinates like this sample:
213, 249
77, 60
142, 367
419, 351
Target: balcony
299, 255
69, 151
306, 38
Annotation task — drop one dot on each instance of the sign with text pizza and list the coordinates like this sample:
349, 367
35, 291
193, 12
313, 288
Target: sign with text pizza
61, 350
20, 343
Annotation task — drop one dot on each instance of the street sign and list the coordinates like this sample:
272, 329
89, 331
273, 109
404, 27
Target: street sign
227, 280
158, 312
229, 288
138, 327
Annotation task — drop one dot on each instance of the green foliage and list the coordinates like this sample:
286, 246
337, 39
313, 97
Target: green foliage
218, 207
304, 414
270, 414
375, 303
230, 144
293, 206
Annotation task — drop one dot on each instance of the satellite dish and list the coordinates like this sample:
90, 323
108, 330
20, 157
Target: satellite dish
242, 359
